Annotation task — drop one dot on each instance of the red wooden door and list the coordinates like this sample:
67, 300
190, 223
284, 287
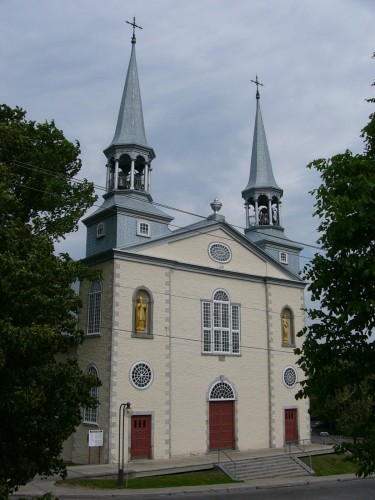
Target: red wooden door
141, 436
291, 432
221, 424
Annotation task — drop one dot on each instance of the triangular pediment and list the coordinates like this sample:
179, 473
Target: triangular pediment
207, 246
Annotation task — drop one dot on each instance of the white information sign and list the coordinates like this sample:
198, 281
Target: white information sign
95, 438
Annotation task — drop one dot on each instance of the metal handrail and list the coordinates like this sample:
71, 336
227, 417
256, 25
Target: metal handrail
293, 443
231, 459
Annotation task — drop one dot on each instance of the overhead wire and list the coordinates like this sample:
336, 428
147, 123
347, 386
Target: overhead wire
243, 346
141, 199
287, 350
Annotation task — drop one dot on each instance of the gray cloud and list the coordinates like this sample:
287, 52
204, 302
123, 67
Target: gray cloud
68, 60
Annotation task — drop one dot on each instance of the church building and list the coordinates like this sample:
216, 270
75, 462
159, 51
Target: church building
194, 328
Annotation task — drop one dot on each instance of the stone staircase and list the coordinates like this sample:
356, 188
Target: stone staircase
265, 467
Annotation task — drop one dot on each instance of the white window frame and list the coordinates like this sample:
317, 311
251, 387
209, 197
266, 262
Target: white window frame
90, 415
94, 309
283, 257
141, 226
221, 325
100, 230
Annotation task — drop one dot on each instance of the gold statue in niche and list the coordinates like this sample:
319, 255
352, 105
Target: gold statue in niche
285, 323
140, 316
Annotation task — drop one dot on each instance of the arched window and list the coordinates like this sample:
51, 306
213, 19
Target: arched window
139, 174
222, 390
287, 327
124, 171
94, 308
90, 415
142, 316
220, 325
252, 218
275, 208
263, 211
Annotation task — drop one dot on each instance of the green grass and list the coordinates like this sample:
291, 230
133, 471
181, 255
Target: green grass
323, 465
331, 464
199, 478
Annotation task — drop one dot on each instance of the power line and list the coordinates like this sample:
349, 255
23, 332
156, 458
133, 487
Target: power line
198, 300
141, 199
159, 336
287, 350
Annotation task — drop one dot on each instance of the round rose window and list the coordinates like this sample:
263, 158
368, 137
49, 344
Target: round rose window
289, 376
219, 252
141, 375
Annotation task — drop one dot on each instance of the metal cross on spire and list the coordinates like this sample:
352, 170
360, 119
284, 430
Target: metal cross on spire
257, 83
134, 26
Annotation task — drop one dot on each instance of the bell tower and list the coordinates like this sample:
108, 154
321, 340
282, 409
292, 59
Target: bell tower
127, 215
262, 197
129, 156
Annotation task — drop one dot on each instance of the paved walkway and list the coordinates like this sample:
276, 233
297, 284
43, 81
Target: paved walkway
40, 486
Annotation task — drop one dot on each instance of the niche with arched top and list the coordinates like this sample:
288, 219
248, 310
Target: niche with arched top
287, 327
142, 313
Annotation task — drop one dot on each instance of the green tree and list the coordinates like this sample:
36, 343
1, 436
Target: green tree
338, 353
42, 390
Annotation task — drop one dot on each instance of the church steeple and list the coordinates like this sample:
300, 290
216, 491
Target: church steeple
129, 156
262, 197
128, 215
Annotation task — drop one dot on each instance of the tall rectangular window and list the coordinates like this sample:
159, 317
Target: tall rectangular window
207, 326
236, 329
220, 325
94, 308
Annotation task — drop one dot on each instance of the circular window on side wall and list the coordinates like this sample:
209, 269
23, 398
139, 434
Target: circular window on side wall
141, 375
219, 252
289, 377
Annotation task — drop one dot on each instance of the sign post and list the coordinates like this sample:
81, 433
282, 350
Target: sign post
95, 439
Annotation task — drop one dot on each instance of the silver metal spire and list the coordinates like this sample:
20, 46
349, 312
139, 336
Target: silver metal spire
130, 127
261, 172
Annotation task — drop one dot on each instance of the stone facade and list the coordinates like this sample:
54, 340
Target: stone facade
178, 399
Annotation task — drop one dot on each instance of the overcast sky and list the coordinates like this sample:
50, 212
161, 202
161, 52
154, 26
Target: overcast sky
67, 59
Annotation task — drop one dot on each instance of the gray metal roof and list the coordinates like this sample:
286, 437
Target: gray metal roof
130, 127
132, 203
261, 173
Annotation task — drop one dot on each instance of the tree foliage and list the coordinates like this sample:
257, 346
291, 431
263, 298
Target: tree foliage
338, 353
42, 390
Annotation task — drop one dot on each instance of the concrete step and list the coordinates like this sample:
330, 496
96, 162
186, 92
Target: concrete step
280, 466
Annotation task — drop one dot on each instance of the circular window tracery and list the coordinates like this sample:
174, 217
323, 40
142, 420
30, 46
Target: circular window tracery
289, 376
141, 375
219, 252
222, 390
